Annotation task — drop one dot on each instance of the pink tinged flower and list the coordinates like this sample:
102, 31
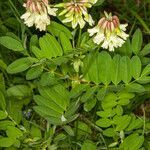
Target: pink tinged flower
76, 13
109, 32
37, 13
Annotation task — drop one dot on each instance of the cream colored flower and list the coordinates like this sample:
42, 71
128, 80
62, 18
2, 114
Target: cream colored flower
76, 12
63, 119
37, 13
109, 32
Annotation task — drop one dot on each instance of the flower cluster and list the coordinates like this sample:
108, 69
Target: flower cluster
76, 12
109, 32
37, 13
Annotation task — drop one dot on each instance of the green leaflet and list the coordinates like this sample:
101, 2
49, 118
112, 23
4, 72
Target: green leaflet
132, 142
48, 102
20, 65
88, 145
65, 42
3, 115
137, 40
49, 46
97, 66
116, 74
19, 91
57, 93
34, 72
136, 67
101, 68
11, 43
55, 29
2, 101
53, 103
125, 69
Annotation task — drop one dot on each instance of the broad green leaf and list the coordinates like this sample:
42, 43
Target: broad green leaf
88, 145
135, 87
132, 142
2, 64
137, 40
125, 69
48, 102
89, 93
13, 132
72, 108
91, 68
19, 91
119, 110
123, 102
110, 132
126, 48
5, 123
3, 115
104, 67
135, 67
65, 42
37, 52
46, 111
20, 65
144, 80
90, 104
97, 67
146, 50
56, 28
35, 132
104, 122
2, 83
116, 74
101, 93
34, 72
135, 124
7, 141
125, 95
34, 41
48, 78
106, 113
59, 137
2, 101
57, 93
69, 130
121, 122
11, 43
83, 128
53, 120
109, 101
146, 70
50, 47
78, 90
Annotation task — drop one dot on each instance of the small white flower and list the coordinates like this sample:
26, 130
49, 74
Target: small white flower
63, 119
109, 32
37, 13
76, 12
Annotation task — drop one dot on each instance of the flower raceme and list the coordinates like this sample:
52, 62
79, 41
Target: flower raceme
76, 12
37, 13
109, 32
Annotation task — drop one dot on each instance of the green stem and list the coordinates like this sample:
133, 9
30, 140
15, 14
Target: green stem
143, 109
79, 37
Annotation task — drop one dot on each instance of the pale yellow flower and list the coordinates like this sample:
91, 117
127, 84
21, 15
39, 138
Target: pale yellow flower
76, 12
109, 32
37, 13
